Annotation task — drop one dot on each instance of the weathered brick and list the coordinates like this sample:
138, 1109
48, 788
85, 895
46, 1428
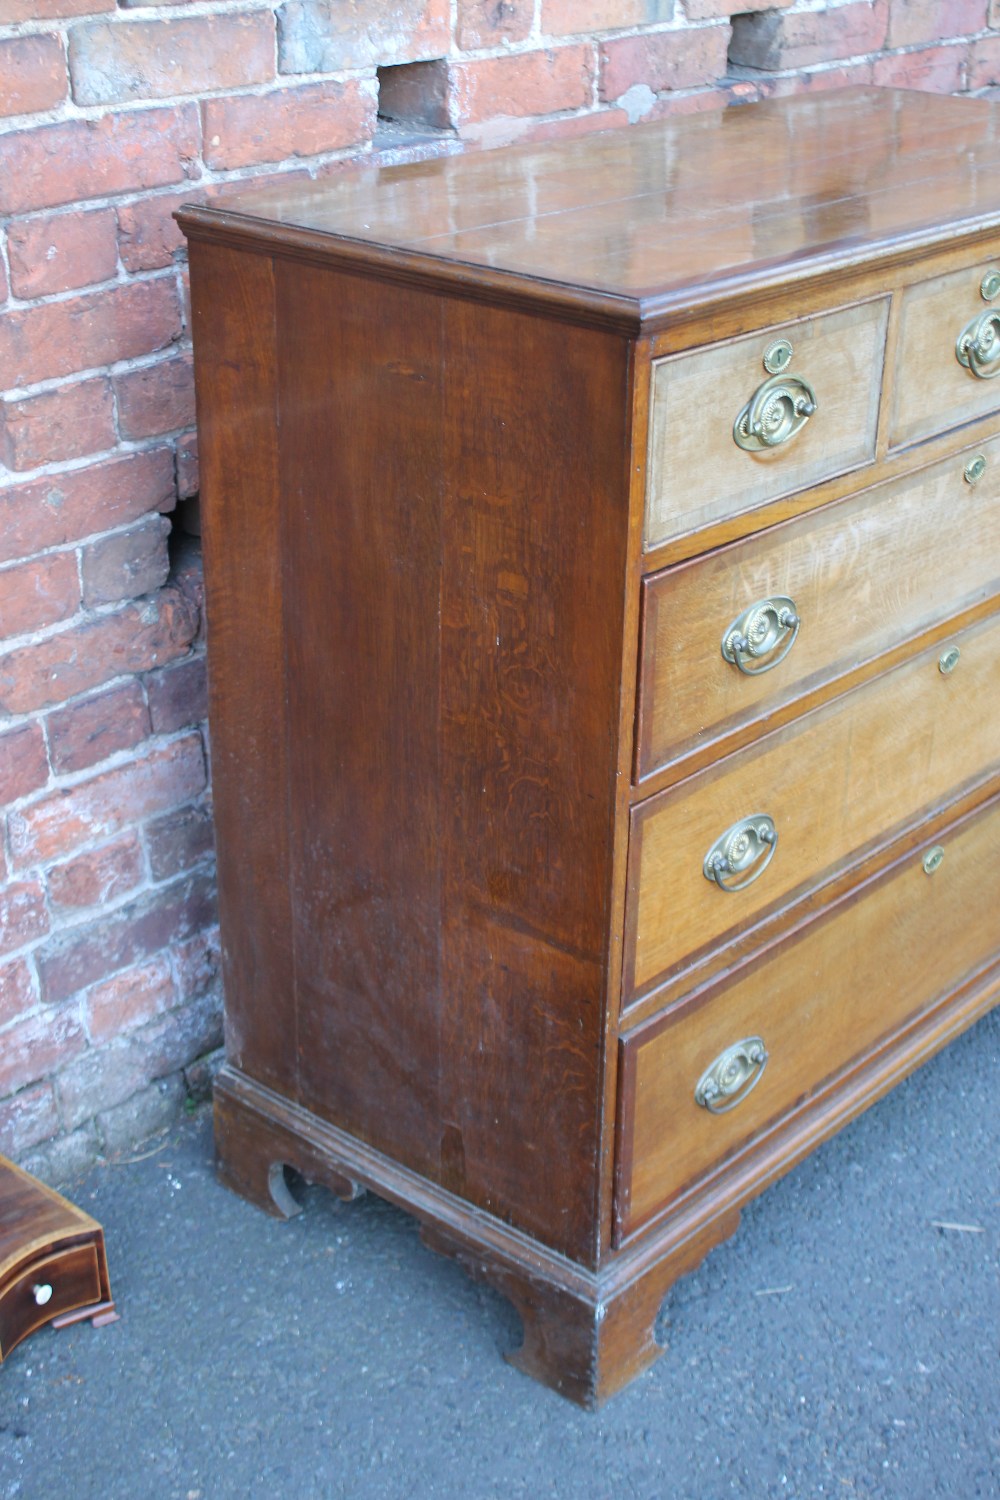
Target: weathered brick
178, 841
97, 876
244, 129
23, 763
39, 1045
17, 990
583, 17
4, 288
190, 1030
129, 999
41, 592
148, 234
32, 73
178, 695
187, 466
59, 338
68, 422
12, 11
126, 564
721, 10
528, 83
65, 507
317, 37
663, 60
26, 1119
137, 638
936, 70
994, 14
984, 63
79, 958
89, 730
912, 22
58, 252
417, 92
489, 23
24, 916
854, 75
111, 62
775, 40
149, 784
156, 398
65, 1159
119, 153
574, 125
146, 1113
197, 963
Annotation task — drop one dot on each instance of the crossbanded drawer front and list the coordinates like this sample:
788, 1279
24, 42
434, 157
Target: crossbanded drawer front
821, 1000
932, 389
698, 472
863, 576
844, 778
45, 1289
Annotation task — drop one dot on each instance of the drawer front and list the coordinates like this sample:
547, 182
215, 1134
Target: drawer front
697, 473
839, 780
863, 575
827, 996
931, 390
73, 1279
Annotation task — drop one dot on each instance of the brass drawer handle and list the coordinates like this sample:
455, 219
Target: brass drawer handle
778, 409
766, 629
978, 347
734, 1074
745, 849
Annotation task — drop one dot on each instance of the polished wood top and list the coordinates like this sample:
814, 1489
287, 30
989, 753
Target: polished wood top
642, 219
33, 1217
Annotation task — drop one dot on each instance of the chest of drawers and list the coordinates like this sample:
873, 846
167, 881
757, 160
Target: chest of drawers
602, 553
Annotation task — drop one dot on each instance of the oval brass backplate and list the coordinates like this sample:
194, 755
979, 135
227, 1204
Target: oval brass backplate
932, 859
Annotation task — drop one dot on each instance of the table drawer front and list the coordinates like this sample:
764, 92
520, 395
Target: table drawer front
931, 389
824, 999
698, 474
73, 1280
837, 781
864, 575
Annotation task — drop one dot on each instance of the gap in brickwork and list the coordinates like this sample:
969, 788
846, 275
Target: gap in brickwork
413, 102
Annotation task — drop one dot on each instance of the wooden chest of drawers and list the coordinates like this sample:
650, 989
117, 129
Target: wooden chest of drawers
603, 568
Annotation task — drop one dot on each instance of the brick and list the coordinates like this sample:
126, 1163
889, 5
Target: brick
178, 841
315, 36
198, 965
24, 766
156, 398
4, 288
59, 338
97, 876
936, 70
38, 593
129, 999
66, 423
994, 15
853, 76
112, 62
663, 60
417, 92
573, 125
79, 159
721, 10
63, 508
23, 915
38, 1046
187, 466
148, 1112
63, 820
91, 729
32, 74
187, 1032
984, 64
12, 11
200, 1075
178, 695
912, 22
100, 1079
17, 990
243, 130
58, 252
126, 564
135, 932
489, 23
583, 17
26, 1119
148, 234
774, 40
135, 639
529, 83
64, 1160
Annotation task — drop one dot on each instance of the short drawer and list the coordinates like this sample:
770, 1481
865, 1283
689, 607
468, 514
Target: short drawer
841, 780
45, 1289
931, 390
697, 471
820, 1001
860, 577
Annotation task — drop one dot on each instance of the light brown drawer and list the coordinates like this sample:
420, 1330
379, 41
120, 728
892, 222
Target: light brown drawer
931, 390
73, 1279
698, 474
822, 999
835, 782
864, 575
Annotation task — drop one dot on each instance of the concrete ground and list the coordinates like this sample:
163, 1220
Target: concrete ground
840, 1345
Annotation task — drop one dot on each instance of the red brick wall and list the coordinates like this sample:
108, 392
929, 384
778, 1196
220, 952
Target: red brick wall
111, 115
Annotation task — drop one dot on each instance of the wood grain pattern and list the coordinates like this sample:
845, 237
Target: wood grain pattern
909, 941
697, 473
866, 574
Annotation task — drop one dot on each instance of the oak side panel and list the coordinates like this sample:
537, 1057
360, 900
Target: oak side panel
232, 300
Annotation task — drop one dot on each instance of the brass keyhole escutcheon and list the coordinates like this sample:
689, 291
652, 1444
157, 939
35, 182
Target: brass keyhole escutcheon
932, 859
990, 285
778, 356
949, 660
975, 469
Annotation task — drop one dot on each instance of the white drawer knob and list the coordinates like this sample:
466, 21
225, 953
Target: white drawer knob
42, 1293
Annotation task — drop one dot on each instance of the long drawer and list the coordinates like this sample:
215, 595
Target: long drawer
783, 1025
840, 780
860, 577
